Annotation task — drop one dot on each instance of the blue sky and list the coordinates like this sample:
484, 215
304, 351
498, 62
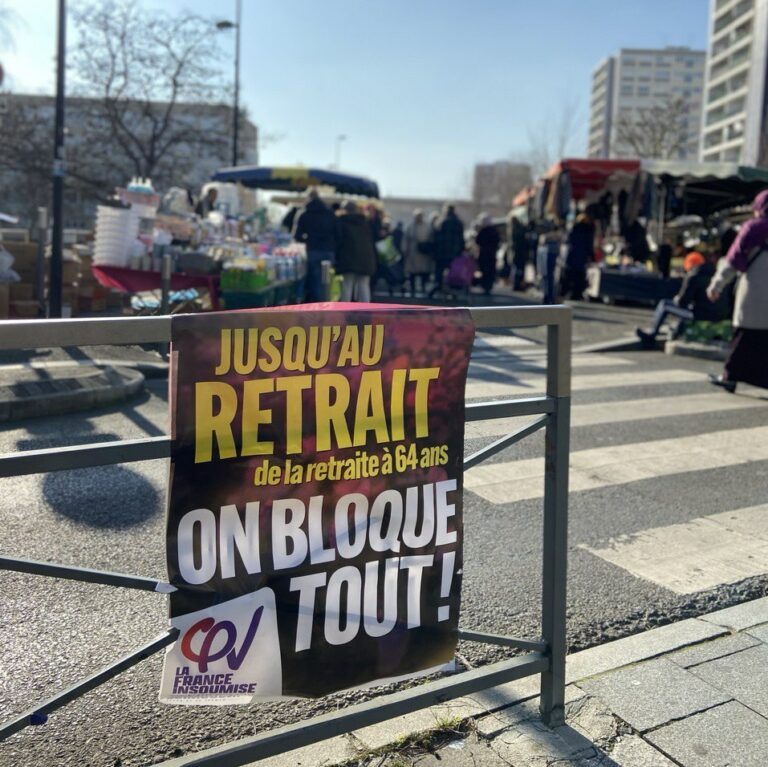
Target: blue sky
422, 89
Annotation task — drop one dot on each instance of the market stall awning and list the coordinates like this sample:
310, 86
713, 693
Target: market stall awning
590, 174
296, 179
709, 187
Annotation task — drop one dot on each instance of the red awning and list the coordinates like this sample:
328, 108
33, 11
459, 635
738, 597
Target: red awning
522, 197
591, 175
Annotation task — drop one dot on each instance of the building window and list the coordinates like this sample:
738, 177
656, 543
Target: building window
627, 90
643, 90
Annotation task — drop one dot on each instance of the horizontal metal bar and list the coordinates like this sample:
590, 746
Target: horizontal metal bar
534, 645
34, 334
504, 442
520, 316
508, 408
363, 714
83, 456
39, 714
85, 575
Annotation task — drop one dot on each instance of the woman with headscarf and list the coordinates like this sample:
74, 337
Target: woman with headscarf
487, 241
747, 258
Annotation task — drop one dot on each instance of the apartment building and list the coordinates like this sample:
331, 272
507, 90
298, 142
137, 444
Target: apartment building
735, 121
632, 81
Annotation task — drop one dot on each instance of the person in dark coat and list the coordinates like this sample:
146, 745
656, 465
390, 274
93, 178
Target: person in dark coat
487, 240
664, 258
581, 251
449, 243
518, 239
691, 303
316, 228
356, 258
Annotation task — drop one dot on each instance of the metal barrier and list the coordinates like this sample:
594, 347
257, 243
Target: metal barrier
544, 656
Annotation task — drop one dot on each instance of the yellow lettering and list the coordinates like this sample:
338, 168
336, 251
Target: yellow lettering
254, 416
224, 350
350, 347
331, 414
422, 377
209, 424
397, 404
271, 361
372, 346
293, 387
369, 413
244, 364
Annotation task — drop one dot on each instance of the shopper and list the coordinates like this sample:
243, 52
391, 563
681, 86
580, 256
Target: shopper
487, 240
449, 244
748, 259
356, 258
581, 251
418, 248
518, 242
546, 261
316, 226
208, 203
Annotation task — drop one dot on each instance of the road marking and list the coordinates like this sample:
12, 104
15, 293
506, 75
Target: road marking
696, 555
583, 382
492, 343
511, 481
539, 361
625, 411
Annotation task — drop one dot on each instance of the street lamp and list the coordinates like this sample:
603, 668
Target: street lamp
223, 26
341, 137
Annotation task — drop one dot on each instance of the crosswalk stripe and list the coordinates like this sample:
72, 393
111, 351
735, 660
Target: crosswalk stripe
695, 555
511, 481
539, 361
626, 411
583, 382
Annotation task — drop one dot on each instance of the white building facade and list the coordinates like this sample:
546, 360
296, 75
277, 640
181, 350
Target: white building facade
735, 120
626, 85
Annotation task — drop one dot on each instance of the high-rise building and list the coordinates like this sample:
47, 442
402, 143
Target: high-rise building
735, 122
632, 88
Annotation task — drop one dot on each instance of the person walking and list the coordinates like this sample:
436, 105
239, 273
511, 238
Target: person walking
316, 227
581, 251
748, 259
546, 262
518, 241
449, 243
487, 240
356, 258
418, 246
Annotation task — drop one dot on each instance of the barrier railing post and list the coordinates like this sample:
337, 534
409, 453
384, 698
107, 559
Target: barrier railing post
554, 573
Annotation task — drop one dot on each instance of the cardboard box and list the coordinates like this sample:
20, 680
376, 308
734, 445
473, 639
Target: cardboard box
24, 309
24, 256
22, 291
5, 300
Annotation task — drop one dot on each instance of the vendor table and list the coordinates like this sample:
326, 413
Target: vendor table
611, 285
138, 280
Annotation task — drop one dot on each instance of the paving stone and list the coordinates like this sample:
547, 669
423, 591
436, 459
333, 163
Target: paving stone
467, 753
743, 676
717, 648
653, 693
740, 617
760, 632
492, 724
326, 752
623, 652
726, 735
633, 751
534, 745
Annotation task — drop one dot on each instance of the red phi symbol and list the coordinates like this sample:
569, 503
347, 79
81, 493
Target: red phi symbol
211, 629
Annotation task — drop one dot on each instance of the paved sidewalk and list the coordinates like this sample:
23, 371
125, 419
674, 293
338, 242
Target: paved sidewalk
692, 693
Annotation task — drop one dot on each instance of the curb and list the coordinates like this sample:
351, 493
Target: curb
97, 388
580, 666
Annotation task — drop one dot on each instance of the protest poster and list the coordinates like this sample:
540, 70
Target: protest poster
314, 528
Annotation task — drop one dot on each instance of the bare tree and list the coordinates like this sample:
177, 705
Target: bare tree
658, 132
142, 70
552, 138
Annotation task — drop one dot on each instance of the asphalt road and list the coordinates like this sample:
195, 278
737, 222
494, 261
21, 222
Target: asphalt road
56, 632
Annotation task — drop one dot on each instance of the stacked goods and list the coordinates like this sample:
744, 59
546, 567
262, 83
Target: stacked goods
22, 295
91, 296
116, 231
